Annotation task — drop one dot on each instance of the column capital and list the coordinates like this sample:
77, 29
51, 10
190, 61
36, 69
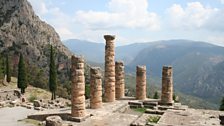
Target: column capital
109, 37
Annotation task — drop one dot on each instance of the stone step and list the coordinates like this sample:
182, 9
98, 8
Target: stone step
157, 112
150, 103
134, 103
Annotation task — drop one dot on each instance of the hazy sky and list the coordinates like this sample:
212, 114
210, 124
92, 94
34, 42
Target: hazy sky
135, 20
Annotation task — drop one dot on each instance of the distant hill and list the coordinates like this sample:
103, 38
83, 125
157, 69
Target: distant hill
91, 51
198, 66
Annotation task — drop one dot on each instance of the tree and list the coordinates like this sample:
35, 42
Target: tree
2, 66
222, 105
22, 77
8, 70
156, 95
52, 74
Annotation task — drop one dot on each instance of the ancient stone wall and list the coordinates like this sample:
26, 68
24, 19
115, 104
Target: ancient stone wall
119, 77
167, 85
109, 82
95, 88
78, 87
141, 82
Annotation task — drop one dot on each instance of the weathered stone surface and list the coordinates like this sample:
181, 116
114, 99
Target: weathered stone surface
95, 88
141, 82
120, 83
78, 87
221, 118
109, 75
167, 85
53, 121
36, 103
22, 30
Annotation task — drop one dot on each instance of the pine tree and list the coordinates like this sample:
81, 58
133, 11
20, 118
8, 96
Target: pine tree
52, 74
156, 95
8, 70
222, 105
22, 77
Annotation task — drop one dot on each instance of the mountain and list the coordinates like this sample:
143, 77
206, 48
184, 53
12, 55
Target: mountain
91, 51
22, 31
198, 66
94, 52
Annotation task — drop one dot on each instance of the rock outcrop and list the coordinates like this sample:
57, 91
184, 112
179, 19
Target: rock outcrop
21, 31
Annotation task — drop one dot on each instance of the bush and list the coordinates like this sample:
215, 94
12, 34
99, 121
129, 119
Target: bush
87, 91
153, 119
222, 105
62, 92
32, 98
142, 110
156, 95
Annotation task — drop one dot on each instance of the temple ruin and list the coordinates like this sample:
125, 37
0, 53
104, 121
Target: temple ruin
141, 82
95, 88
167, 85
78, 87
109, 75
120, 82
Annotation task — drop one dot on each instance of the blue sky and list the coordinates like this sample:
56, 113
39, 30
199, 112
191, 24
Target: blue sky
135, 20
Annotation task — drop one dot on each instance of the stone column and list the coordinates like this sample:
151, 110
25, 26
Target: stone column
109, 82
141, 82
167, 85
95, 88
119, 76
78, 87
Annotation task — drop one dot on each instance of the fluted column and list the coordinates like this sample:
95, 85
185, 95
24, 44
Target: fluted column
167, 85
95, 88
119, 76
78, 87
109, 69
141, 82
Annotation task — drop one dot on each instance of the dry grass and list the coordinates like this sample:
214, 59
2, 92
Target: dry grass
30, 90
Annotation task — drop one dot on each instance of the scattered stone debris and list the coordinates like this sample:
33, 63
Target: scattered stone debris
53, 121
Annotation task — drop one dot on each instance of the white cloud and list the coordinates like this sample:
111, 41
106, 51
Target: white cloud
222, 1
193, 16
55, 16
121, 14
39, 7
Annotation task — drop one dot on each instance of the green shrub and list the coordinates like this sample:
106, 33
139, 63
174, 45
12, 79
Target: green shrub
32, 98
142, 110
153, 119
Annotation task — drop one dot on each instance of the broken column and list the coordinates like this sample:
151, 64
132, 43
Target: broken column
167, 85
141, 82
109, 82
78, 87
95, 88
119, 77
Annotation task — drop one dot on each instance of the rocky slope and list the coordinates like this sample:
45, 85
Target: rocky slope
21, 31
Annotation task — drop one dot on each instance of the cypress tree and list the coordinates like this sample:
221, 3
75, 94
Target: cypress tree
156, 95
1, 67
8, 70
222, 105
22, 77
52, 74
